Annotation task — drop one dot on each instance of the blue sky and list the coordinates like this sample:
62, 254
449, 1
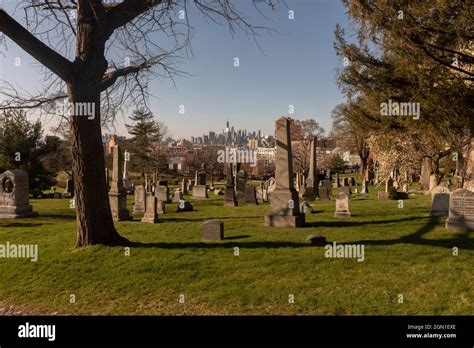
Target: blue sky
297, 67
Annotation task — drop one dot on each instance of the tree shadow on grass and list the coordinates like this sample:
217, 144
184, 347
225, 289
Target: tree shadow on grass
461, 239
352, 223
221, 245
58, 216
211, 218
20, 225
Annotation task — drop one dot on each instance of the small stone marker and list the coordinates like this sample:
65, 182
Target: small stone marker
382, 195
213, 230
342, 205
316, 239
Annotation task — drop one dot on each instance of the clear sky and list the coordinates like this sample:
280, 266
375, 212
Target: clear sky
297, 67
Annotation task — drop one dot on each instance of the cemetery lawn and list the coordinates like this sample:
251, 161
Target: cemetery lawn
407, 253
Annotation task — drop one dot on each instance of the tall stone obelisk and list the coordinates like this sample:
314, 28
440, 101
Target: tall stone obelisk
311, 190
284, 200
117, 194
229, 192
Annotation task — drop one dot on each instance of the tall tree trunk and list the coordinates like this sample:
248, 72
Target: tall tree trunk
93, 215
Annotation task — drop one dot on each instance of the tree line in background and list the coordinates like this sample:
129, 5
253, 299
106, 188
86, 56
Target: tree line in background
408, 52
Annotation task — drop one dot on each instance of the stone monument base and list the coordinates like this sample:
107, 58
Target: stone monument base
229, 197
8, 212
119, 200
342, 214
452, 223
285, 220
439, 212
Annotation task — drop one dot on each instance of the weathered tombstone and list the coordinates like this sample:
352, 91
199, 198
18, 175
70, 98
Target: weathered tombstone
365, 186
117, 194
200, 186
306, 208
229, 192
439, 201
324, 193
241, 186
461, 210
178, 195
160, 206
213, 230
342, 205
345, 189
250, 195
425, 174
200, 191
382, 195
190, 185
140, 196
284, 200
162, 193
311, 190
151, 211
326, 183
14, 195
316, 239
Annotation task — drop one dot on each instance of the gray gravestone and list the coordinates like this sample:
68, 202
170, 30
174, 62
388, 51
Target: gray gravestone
365, 186
250, 195
461, 210
325, 193
284, 200
117, 194
241, 186
440, 203
151, 212
178, 195
162, 193
213, 230
14, 195
139, 206
311, 190
342, 205
345, 189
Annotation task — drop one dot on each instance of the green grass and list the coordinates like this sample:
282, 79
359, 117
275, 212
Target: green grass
406, 252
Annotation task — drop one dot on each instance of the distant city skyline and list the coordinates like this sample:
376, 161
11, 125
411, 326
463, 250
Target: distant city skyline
296, 66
